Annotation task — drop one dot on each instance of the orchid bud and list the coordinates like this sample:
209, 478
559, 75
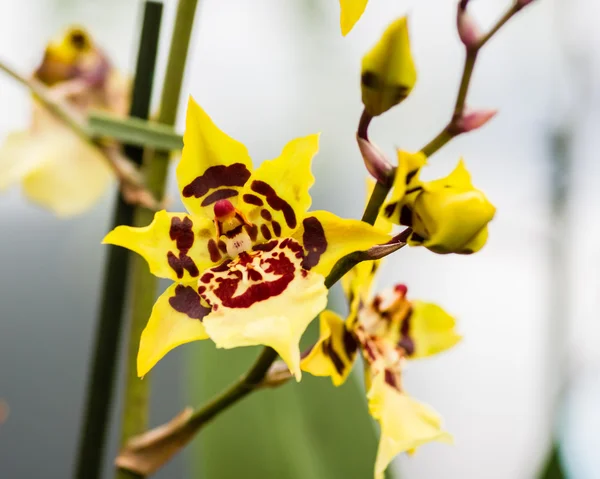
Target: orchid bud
472, 120
468, 31
388, 71
450, 215
375, 160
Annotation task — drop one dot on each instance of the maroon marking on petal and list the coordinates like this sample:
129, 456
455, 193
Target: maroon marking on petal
215, 177
334, 356
368, 348
314, 241
254, 294
213, 251
275, 202
266, 247
252, 232
181, 232
390, 379
201, 289
252, 200
304, 273
389, 209
265, 232
187, 301
222, 246
219, 195
266, 215
206, 277
254, 275
405, 324
224, 266
406, 216
350, 344
407, 344
276, 228
183, 262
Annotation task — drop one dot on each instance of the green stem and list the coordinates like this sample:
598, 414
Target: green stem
100, 387
136, 400
498, 25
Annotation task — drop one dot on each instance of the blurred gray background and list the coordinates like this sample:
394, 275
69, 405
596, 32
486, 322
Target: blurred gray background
271, 70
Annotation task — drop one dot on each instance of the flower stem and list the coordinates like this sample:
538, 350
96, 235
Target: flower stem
99, 393
135, 408
450, 130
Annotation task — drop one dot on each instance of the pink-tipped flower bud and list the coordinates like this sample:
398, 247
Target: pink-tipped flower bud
468, 31
375, 160
471, 120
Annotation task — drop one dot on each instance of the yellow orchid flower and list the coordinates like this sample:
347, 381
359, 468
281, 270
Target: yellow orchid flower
388, 330
248, 260
388, 72
57, 169
448, 215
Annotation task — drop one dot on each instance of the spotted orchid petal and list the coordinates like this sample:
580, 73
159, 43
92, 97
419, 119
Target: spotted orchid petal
276, 197
350, 13
175, 245
406, 185
59, 170
213, 166
327, 238
263, 297
405, 423
334, 353
176, 319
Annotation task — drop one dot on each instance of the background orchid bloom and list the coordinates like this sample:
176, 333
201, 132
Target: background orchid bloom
350, 13
387, 330
57, 169
249, 261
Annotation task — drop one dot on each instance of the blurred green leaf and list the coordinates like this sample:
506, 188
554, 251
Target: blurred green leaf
134, 131
300, 430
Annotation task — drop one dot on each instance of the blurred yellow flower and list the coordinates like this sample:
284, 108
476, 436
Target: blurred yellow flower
388, 330
448, 215
388, 72
248, 260
57, 169
350, 13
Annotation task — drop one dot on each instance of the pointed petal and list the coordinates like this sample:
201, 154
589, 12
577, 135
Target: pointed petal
406, 179
276, 196
335, 351
350, 13
176, 319
175, 245
357, 283
327, 238
213, 166
431, 329
405, 423
278, 321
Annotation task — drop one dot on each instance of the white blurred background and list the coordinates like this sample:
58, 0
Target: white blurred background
271, 70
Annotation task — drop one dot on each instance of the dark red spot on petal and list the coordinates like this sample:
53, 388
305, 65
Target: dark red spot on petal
406, 216
181, 232
314, 241
275, 202
252, 232
222, 246
219, 195
213, 251
265, 246
334, 356
390, 379
187, 301
224, 266
206, 277
266, 215
350, 344
254, 275
265, 232
252, 200
276, 228
181, 263
389, 209
215, 177
407, 344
